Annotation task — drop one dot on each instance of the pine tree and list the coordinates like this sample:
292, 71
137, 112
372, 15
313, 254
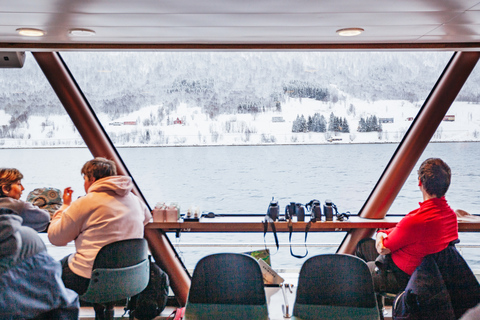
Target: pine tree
345, 127
318, 123
362, 126
322, 124
296, 124
303, 124
310, 125
369, 125
331, 124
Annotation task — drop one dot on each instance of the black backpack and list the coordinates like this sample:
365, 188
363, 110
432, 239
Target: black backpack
149, 303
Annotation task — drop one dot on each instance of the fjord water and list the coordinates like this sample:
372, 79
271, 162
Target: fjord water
243, 179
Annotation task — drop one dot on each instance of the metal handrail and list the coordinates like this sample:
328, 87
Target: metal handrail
243, 245
272, 245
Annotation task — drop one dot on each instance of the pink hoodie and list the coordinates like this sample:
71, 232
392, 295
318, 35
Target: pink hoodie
107, 213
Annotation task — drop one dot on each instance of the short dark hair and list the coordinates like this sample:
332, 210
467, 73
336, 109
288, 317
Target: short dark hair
99, 168
8, 176
435, 176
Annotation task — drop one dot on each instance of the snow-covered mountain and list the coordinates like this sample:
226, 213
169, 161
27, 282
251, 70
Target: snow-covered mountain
233, 98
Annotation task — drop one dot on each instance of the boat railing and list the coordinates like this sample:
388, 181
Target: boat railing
273, 245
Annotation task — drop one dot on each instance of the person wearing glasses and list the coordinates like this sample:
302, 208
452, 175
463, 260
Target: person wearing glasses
10, 192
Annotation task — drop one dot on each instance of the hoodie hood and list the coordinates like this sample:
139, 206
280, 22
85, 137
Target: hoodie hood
10, 238
121, 185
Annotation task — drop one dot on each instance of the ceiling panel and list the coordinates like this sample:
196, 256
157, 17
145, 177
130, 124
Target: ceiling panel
469, 17
270, 6
212, 20
242, 22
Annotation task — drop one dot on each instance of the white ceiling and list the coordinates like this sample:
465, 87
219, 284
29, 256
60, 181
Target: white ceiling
153, 23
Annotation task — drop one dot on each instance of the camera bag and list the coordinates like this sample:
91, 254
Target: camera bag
149, 303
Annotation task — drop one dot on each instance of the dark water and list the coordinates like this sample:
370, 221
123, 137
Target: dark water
243, 179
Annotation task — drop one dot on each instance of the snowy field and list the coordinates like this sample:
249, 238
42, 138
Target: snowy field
197, 129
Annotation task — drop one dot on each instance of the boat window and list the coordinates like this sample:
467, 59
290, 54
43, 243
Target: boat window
226, 132
457, 142
36, 135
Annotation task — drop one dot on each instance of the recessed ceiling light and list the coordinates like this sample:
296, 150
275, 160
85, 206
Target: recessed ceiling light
80, 32
349, 32
31, 32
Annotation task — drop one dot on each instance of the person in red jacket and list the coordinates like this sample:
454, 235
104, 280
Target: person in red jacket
426, 230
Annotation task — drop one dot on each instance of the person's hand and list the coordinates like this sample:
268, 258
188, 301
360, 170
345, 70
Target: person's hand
67, 196
381, 249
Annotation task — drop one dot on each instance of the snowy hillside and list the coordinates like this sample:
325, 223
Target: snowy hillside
193, 128
245, 129
235, 98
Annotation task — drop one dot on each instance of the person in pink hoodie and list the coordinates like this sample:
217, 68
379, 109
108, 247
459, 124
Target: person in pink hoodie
109, 212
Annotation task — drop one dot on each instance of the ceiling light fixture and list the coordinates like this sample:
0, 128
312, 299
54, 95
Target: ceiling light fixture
31, 32
81, 32
349, 32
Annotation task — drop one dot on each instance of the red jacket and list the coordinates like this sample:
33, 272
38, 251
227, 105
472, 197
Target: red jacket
426, 230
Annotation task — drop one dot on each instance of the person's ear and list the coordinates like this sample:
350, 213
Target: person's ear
5, 189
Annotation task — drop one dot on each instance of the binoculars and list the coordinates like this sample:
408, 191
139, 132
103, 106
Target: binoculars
295, 209
316, 212
298, 210
273, 210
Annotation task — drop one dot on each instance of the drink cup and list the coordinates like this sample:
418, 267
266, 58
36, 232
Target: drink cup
172, 214
159, 213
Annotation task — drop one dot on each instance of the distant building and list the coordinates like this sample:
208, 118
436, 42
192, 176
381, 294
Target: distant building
177, 121
449, 118
385, 120
278, 119
123, 123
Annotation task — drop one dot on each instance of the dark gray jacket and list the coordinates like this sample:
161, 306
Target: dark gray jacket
30, 279
442, 287
32, 216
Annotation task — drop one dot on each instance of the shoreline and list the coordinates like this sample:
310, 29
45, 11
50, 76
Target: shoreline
227, 145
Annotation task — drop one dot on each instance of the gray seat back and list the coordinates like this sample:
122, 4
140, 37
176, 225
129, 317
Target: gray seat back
335, 286
227, 286
121, 270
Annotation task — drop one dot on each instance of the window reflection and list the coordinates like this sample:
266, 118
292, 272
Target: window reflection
456, 142
255, 125
36, 135
227, 131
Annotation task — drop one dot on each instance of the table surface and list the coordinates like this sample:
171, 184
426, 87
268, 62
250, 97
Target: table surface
255, 224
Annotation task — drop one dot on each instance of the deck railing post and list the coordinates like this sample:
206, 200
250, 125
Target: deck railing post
413, 144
